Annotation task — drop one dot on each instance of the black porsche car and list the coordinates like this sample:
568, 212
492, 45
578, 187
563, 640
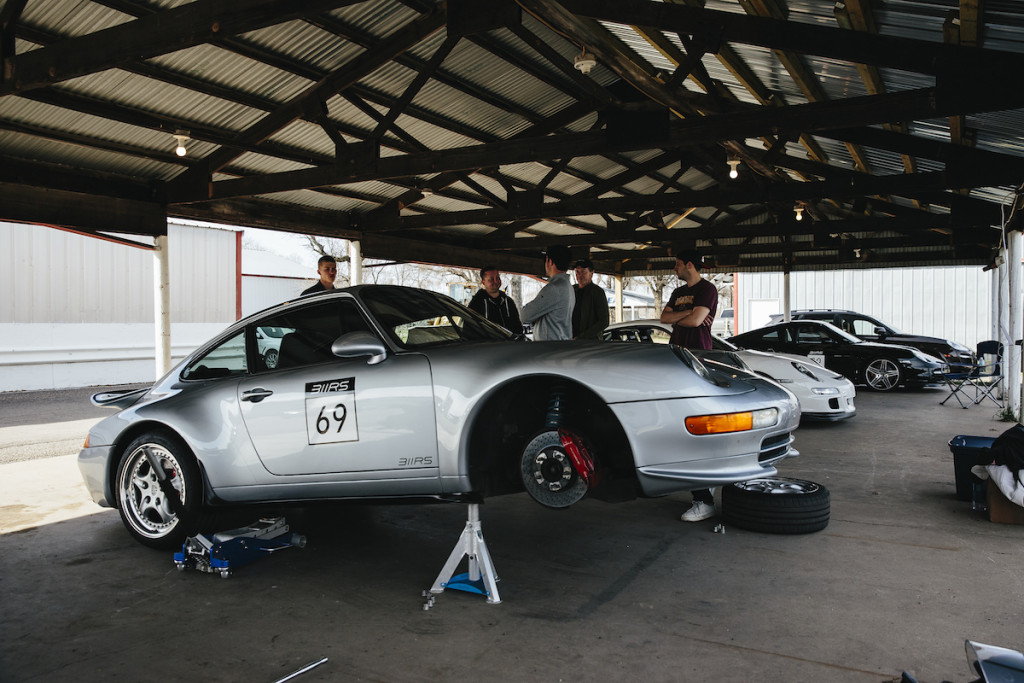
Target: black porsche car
882, 367
864, 327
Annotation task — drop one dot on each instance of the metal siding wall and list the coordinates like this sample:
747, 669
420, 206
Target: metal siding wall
261, 292
202, 262
950, 302
78, 310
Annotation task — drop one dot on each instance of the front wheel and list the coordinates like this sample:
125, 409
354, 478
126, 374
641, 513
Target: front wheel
270, 359
777, 505
883, 374
159, 491
548, 472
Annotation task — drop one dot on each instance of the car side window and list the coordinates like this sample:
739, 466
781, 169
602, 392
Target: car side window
227, 359
810, 334
304, 336
659, 336
860, 327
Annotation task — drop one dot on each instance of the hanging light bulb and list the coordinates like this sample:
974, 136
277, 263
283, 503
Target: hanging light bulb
734, 172
181, 137
799, 212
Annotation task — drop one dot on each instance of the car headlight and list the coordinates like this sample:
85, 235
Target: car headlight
959, 347
805, 370
733, 422
825, 391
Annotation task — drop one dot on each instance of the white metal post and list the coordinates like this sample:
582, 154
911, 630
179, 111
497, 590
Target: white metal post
618, 298
1011, 352
162, 305
355, 263
785, 296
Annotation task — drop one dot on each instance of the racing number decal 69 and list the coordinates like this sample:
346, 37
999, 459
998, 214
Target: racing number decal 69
331, 412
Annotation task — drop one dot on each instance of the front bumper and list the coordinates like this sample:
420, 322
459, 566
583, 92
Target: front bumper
661, 480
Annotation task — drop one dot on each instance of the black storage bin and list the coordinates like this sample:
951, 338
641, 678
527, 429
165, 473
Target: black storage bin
966, 453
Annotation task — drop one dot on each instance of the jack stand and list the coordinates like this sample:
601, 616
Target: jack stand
481, 578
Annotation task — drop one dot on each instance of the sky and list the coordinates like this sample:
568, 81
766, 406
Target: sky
290, 246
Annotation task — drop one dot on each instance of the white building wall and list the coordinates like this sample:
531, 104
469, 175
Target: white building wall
952, 302
259, 291
78, 310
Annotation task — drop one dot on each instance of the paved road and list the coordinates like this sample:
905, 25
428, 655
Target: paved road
44, 424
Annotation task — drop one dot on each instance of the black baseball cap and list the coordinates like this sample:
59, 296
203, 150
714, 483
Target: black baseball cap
691, 255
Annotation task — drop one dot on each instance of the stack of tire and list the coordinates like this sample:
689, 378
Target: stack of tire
776, 505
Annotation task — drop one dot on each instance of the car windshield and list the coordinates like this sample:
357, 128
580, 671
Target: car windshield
416, 318
720, 344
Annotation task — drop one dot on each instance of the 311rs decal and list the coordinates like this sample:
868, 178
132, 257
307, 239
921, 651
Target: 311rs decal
331, 411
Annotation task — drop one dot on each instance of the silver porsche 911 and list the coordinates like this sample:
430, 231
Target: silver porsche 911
392, 392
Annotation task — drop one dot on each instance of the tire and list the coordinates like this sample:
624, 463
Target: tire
777, 505
883, 374
270, 359
548, 474
152, 517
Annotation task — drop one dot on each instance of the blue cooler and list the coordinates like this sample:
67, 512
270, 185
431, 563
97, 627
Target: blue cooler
966, 453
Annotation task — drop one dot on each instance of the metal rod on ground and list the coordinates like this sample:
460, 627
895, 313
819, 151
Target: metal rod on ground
303, 670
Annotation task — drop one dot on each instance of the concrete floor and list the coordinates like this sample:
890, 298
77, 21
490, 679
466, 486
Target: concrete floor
600, 592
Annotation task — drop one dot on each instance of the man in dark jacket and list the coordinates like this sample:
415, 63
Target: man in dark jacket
327, 269
494, 304
590, 315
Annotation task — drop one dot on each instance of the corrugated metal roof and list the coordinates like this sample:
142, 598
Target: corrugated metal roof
116, 119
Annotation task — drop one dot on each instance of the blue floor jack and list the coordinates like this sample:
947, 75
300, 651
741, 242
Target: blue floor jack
225, 551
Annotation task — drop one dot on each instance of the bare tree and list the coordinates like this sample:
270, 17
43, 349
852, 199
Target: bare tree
336, 248
657, 285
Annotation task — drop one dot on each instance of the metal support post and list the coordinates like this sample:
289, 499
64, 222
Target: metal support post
481, 578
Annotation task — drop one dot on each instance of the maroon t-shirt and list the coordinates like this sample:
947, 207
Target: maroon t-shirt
686, 298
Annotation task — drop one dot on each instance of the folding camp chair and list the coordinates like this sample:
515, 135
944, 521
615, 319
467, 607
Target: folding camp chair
958, 384
988, 372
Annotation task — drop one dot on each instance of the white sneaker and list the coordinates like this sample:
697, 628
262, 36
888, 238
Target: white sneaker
698, 511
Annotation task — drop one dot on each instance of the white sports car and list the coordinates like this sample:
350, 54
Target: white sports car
823, 394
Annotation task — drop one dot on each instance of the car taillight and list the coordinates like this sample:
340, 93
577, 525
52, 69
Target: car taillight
732, 422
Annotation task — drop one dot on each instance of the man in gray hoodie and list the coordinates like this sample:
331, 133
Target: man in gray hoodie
551, 311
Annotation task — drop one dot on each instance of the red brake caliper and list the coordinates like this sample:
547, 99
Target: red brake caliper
578, 456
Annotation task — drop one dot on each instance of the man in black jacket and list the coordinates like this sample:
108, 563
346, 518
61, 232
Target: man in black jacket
494, 304
327, 269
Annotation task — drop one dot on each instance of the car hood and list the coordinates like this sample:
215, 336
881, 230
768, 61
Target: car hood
918, 340
617, 372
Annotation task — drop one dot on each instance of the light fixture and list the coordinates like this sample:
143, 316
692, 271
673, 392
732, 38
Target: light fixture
799, 212
734, 172
584, 62
181, 136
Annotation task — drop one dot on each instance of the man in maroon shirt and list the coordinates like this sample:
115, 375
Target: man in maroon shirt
691, 310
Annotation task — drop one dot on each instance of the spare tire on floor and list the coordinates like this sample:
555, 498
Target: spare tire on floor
776, 505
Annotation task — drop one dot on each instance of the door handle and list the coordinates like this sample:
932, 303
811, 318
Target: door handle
256, 395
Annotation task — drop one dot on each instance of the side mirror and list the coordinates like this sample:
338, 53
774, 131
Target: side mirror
880, 331
359, 345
